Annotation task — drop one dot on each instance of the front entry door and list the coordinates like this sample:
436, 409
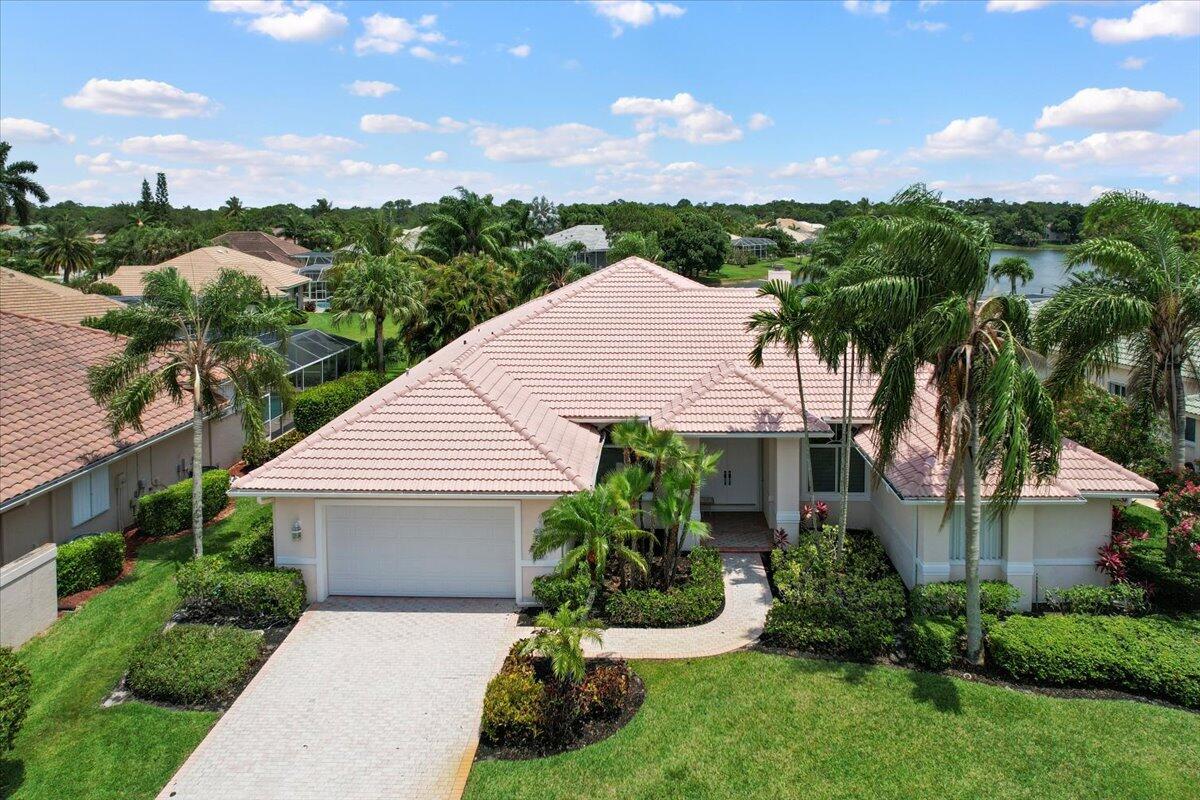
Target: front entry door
736, 485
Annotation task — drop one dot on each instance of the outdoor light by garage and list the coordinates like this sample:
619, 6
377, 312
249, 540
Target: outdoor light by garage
296, 531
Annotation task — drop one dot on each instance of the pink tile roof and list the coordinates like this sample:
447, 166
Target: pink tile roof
38, 297
632, 339
49, 424
202, 266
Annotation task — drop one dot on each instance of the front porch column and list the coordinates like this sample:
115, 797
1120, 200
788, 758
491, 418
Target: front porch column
783, 487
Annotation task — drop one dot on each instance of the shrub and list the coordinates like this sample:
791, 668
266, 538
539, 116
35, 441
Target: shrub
1173, 587
949, 599
256, 547
602, 691
512, 707
319, 405
553, 591
933, 642
699, 600
15, 686
169, 510
1156, 656
255, 454
89, 561
192, 664
103, 287
208, 587
1117, 598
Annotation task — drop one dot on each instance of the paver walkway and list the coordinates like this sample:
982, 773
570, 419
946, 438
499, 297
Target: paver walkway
367, 698
747, 598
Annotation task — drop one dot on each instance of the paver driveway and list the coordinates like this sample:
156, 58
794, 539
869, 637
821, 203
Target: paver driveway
367, 698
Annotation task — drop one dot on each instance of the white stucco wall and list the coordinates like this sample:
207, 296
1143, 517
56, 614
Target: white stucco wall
28, 596
896, 526
1065, 543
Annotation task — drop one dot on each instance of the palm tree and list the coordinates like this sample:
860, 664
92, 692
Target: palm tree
233, 208
459, 296
373, 288
559, 637
15, 185
295, 226
546, 267
1143, 295
1012, 269
322, 206
673, 507
919, 290
467, 224
186, 346
523, 229
63, 246
377, 235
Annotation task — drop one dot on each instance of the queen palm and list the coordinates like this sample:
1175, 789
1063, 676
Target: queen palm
1012, 269
546, 267
1142, 295
63, 246
373, 288
919, 288
467, 224
378, 235
559, 637
16, 185
187, 346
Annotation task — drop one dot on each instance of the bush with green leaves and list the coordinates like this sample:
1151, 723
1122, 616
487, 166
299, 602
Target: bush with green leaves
554, 590
933, 642
1174, 587
512, 706
15, 686
190, 665
89, 561
698, 601
320, 405
1156, 656
1117, 598
256, 547
169, 510
255, 454
210, 588
949, 598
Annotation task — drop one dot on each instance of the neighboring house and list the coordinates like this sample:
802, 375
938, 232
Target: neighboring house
312, 264
756, 246
62, 473
800, 231
313, 357
410, 239
435, 485
592, 237
49, 300
201, 267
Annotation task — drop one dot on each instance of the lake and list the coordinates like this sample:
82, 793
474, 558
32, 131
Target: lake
1048, 270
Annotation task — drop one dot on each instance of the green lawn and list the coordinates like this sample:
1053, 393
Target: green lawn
323, 321
732, 273
70, 748
753, 725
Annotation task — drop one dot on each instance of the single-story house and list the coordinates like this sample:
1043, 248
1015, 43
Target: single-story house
201, 267
312, 264
435, 484
799, 230
62, 473
592, 237
50, 300
756, 246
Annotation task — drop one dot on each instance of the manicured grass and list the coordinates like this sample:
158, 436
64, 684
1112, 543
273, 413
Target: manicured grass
72, 749
732, 273
753, 725
323, 321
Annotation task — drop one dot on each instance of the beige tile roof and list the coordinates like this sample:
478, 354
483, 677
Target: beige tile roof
50, 426
262, 245
49, 300
201, 267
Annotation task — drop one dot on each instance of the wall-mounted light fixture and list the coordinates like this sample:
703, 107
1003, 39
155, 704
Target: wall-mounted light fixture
296, 531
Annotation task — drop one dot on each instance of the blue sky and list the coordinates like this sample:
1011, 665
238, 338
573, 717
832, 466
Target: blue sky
278, 100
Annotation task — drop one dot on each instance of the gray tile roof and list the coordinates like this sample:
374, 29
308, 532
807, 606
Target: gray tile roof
593, 237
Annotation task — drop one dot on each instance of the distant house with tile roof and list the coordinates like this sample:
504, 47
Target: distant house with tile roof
201, 267
311, 264
446, 470
49, 300
592, 238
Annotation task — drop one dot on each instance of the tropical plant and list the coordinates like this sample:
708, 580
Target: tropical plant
1012, 269
233, 208
694, 244
295, 226
917, 292
373, 288
559, 637
546, 267
63, 246
466, 224
15, 185
377, 235
677, 496
1139, 304
642, 245
187, 346
321, 207
145, 244
544, 216
523, 229
459, 296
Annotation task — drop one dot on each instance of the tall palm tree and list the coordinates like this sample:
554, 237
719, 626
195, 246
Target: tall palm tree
63, 246
673, 507
1012, 269
635, 243
322, 206
186, 346
920, 290
559, 637
295, 226
233, 208
467, 224
1142, 295
460, 295
373, 288
546, 267
15, 185
523, 228
377, 235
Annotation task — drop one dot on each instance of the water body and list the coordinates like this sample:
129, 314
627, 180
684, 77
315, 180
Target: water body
1049, 271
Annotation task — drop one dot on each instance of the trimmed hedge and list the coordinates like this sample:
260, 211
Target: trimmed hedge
192, 665
320, 405
15, 685
698, 601
1156, 656
255, 454
169, 510
256, 547
949, 599
89, 561
1118, 598
209, 587
933, 642
512, 706
1173, 588
554, 591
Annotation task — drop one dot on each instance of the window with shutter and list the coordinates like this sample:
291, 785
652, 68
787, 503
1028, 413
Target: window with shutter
89, 496
991, 536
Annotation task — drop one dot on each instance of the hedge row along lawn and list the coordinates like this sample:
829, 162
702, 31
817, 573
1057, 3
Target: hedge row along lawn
72, 749
760, 726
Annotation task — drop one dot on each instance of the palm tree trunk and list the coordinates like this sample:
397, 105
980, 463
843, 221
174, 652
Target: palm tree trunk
379, 318
197, 466
1012, 285
807, 457
1177, 413
847, 413
972, 508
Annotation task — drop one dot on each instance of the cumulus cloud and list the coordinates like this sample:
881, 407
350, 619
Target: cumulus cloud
680, 117
520, 51
679, 179
299, 21
859, 170
139, 97
398, 123
372, 88
437, 157
759, 122
255, 163
1016, 6
1176, 19
1149, 152
319, 143
976, 136
634, 13
1110, 110
108, 164
875, 8
571, 144
383, 33
19, 129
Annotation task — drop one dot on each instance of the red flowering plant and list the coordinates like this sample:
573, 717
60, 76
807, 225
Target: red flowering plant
1113, 558
819, 510
1180, 507
779, 538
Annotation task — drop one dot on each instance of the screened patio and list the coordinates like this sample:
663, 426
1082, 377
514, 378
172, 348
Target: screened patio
313, 357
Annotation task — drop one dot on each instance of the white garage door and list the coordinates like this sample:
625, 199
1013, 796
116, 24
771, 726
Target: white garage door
421, 551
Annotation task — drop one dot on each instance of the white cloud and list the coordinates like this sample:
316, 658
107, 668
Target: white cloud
858, 171
634, 13
139, 97
108, 164
19, 129
247, 6
868, 7
1016, 6
976, 136
319, 143
1172, 180
1133, 62
926, 25
437, 157
372, 88
571, 144
383, 33
256, 164
1109, 110
759, 122
450, 125
313, 23
422, 52
392, 123
520, 51
861, 158
1151, 153
681, 117
670, 182
1174, 18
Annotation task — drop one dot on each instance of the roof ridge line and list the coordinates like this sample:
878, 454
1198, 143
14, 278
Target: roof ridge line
700, 387
778, 394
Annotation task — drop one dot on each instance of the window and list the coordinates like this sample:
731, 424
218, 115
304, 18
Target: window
89, 495
1189, 429
991, 533
1117, 389
827, 475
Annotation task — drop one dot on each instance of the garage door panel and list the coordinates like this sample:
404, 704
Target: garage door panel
449, 551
